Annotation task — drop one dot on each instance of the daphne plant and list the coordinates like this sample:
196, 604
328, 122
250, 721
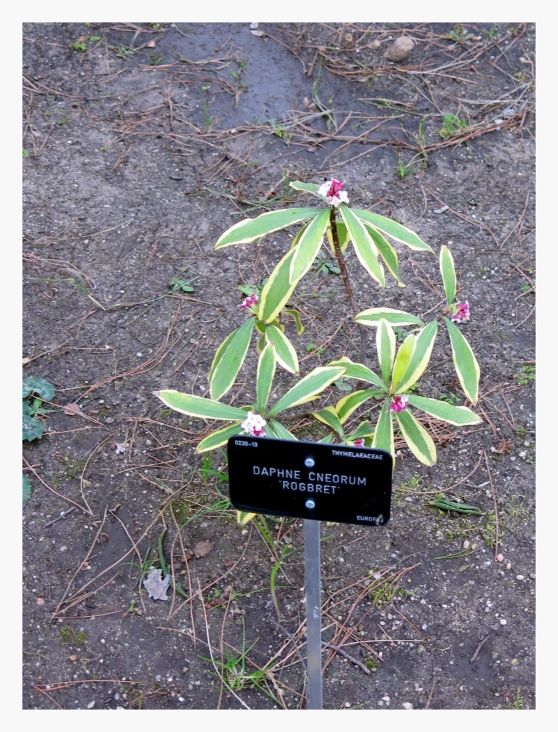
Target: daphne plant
389, 394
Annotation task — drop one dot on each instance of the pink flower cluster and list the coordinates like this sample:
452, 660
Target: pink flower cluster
249, 303
399, 403
460, 312
254, 424
332, 190
359, 443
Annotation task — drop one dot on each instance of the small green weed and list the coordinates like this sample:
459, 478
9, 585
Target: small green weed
450, 398
518, 701
155, 60
179, 285
402, 170
80, 45
526, 375
72, 637
459, 35
452, 123
314, 347
35, 391
25, 153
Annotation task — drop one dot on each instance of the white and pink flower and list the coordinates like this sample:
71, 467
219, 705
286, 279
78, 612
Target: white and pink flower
359, 443
254, 424
460, 312
399, 403
250, 303
333, 193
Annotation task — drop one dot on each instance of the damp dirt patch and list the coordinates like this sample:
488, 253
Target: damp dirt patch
141, 145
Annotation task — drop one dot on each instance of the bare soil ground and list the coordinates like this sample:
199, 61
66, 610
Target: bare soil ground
142, 144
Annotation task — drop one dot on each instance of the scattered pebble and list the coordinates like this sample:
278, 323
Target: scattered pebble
91, 705
532, 575
466, 544
520, 577
400, 49
407, 705
503, 621
500, 557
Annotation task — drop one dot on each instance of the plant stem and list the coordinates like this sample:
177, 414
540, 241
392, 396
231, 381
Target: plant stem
347, 283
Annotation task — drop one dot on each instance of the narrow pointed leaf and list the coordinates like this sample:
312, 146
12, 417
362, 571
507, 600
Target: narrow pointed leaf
297, 319
308, 246
364, 429
417, 438
402, 358
447, 270
299, 233
250, 229
393, 230
347, 405
364, 246
466, 365
358, 371
445, 411
372, 317
219, 437
387, 252
342, 236
308, 187
244, 517
230, 360
307, 388
424, 342
383, 435
385, 344
219, 353
265, 374
284, 351
277, 290
269, 431
329, 416
281, 432
326, 440
196, 406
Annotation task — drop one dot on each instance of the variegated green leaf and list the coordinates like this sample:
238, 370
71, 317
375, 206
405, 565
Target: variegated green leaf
298, 234
358, 371
385, 344
308, 187
307, 388
447, 270
196, 406
445, 411
244, 517
281, 432
284, 351
364, 246
387, 252
296, 315
342, 236
383, 435
466, 365
402, 358
260, 345
393, 229
250, 229
229, 359
424, 342
328, 439
219, 437
269, 431
265, 374
329, 416
372, 317
277, 290
364, 429
347, 405
308, 246
417, 438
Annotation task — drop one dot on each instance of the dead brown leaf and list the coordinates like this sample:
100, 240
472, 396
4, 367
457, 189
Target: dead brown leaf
202, 548
72, 409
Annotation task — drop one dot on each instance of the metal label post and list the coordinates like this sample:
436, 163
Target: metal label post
313, 612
